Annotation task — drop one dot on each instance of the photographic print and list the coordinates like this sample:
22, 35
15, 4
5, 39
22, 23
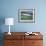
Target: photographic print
26, 15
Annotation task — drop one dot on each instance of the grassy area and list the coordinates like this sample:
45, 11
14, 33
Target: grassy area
24, 17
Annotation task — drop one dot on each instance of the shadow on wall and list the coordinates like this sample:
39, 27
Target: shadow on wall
2, 21
1, 39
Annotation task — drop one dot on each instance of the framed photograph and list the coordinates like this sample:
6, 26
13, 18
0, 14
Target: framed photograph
26, 15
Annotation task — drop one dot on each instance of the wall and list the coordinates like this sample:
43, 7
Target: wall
9, 8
